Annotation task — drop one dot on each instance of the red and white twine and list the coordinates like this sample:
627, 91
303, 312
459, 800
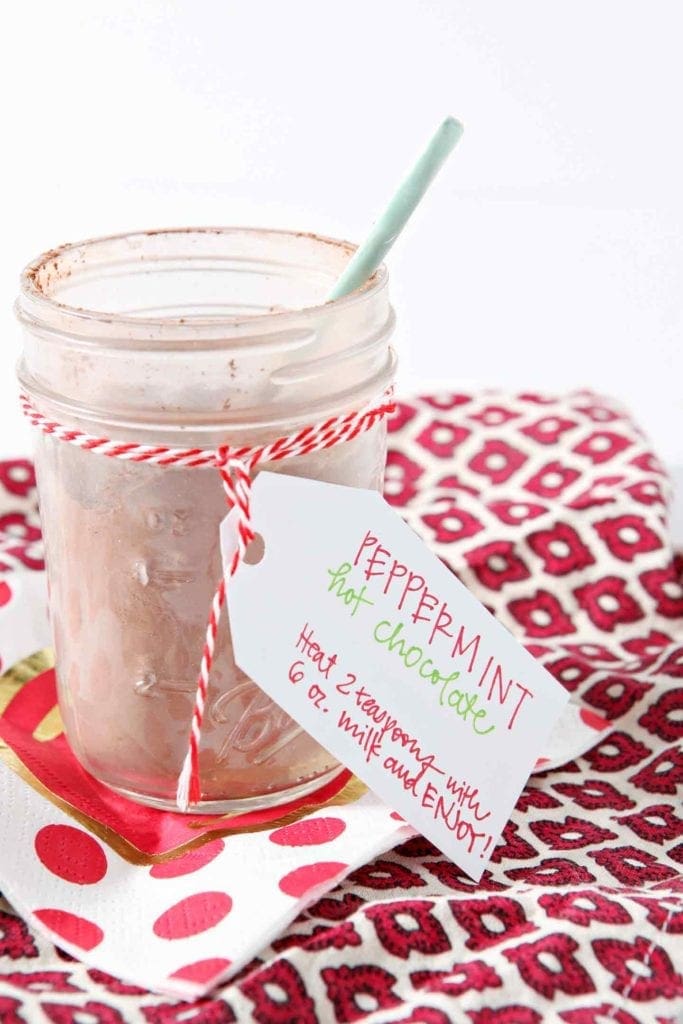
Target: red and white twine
236, 466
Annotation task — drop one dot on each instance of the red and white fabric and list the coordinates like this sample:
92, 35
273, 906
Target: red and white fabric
554, 513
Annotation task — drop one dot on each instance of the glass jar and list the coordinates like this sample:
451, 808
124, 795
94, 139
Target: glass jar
191, 337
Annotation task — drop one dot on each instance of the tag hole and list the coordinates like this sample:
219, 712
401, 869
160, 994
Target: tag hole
255, 551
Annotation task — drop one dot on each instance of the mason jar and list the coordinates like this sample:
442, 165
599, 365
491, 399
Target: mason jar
183, 338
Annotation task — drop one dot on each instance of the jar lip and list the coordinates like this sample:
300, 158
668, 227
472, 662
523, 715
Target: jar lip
48, 305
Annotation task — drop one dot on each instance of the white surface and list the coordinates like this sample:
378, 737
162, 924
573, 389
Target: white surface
549, 252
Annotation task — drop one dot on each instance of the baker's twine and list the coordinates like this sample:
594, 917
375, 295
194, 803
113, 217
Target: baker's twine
236, 467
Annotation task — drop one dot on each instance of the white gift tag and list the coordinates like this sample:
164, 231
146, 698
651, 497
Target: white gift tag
368, 641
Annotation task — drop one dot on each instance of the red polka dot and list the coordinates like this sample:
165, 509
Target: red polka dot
311, 832
5, 592
203, 970
76, 930
193, 915
396, 816
193, 860
596, 722
309, 876
71, 854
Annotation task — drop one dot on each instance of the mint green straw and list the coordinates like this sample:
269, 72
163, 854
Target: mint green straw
390, 224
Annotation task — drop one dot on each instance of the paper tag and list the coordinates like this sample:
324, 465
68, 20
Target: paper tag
367, 640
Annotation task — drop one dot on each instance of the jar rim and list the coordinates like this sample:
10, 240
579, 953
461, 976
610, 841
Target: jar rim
45, 306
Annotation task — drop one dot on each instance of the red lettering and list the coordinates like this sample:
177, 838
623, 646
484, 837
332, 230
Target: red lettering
376, 559
428, 601
525, 693
429, 795
397, 571
460, 648
368, 542
498, 681
443, 621
415, 582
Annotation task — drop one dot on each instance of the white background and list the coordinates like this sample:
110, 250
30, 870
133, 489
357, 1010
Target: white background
549, 251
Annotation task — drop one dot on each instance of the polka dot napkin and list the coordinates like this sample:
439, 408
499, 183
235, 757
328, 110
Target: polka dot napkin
181, 925
115, 884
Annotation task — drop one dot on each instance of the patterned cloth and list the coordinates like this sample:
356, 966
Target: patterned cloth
554, 513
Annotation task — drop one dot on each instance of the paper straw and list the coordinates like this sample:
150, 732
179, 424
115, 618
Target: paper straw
389, 225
